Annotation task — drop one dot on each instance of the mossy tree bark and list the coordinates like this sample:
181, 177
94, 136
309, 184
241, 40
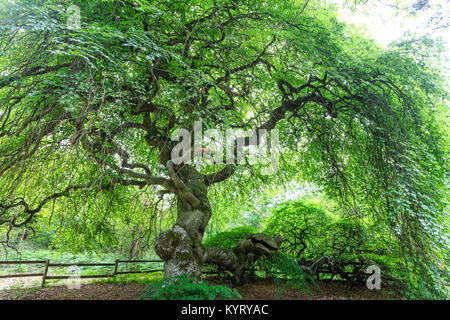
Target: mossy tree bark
181, 247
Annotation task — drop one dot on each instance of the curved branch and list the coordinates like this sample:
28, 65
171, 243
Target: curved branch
248, 249
179, 188
66, 192
221, 175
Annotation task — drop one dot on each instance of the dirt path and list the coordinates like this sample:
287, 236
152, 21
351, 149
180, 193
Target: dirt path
90, 291
11, 283
259, 289
334, 290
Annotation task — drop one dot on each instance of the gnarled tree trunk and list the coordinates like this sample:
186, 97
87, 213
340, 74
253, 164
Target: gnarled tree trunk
248, 249
181, 247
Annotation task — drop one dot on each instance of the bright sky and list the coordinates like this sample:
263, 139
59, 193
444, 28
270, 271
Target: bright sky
380, 21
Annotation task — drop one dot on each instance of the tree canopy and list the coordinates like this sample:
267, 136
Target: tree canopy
88, 111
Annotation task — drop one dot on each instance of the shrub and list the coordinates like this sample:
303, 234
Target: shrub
229, 239
184, 288
310, 232
281, 267
302, 224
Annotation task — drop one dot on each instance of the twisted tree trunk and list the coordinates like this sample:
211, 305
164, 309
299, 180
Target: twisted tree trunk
181, 247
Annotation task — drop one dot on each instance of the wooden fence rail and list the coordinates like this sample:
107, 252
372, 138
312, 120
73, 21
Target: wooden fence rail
46, 263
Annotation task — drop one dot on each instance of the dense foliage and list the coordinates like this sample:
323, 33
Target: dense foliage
229, 239
86, 115
184, 288
286, 272
303, 226
310, 232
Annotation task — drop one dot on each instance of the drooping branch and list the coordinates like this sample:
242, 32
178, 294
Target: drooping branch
30, 212
32, 71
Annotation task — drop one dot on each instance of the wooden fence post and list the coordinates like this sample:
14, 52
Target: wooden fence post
44, 275
47, 264
116, 266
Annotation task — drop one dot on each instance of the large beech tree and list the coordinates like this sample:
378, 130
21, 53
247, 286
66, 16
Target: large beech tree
90, 108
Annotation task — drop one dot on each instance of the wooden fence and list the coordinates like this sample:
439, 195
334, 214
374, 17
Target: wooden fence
47, 264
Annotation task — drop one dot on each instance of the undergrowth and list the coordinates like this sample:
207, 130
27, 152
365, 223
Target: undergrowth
185, 288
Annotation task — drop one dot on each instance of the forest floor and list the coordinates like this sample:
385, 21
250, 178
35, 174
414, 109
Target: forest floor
266, 289
262, 288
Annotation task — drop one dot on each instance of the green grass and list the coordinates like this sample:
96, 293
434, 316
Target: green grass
141, 278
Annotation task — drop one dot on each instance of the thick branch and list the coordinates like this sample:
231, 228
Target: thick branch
179, 188
221, 175
248, 249
33, 71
